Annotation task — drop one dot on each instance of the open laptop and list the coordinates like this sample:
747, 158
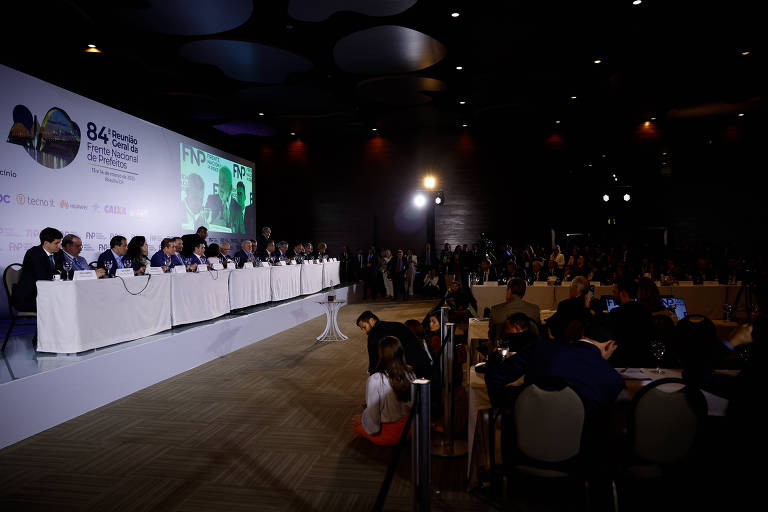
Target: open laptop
609, 303
675, 304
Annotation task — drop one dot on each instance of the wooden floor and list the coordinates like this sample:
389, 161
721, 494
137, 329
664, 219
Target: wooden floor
265, 428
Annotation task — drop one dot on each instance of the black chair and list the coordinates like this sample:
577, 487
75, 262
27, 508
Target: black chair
11, 276
94, 265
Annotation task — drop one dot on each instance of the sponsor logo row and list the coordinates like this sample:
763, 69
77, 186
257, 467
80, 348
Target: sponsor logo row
107, 209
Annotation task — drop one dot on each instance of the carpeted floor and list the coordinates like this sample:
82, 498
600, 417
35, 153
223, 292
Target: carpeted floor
265, 428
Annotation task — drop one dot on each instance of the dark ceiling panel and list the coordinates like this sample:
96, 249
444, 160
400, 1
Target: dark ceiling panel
387, 49
314, 10
403, 90
286, 98
242, 60
190, 17
246, 127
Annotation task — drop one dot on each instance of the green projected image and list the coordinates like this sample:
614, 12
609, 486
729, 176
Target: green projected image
214, 191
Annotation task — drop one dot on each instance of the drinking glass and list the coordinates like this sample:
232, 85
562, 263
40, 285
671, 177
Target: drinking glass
127, 263
187, 262
237, 261
658, 348
108, 266
67, 267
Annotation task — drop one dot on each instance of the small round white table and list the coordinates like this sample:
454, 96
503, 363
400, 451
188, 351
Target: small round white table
332, 331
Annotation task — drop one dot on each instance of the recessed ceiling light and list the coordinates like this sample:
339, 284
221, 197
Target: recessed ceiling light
261, 113
626, 197
637, 2
557, 122
573, 97
464, 125
91, 46
293, 133
459, 68
92, 49
462, 102
741, 114
374, 129
653, 119
598, 61
606, 198
454, 15
746, 52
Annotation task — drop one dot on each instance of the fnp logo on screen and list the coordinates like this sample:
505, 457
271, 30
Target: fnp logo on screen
196, 155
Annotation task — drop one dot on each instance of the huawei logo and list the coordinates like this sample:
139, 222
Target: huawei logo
20, 199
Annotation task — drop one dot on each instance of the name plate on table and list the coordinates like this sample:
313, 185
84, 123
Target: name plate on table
264, 264
291, 262
685, 283
202, 267
154, 270
540, 283
711, 283
248, 264
179, 269
84, 275
124, 272
218, 266
282, 263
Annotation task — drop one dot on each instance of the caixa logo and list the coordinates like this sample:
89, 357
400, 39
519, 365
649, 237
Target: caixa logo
114, 210
5, 199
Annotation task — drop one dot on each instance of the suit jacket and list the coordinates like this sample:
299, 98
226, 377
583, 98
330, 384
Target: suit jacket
177, 259
634, 330
568, 310
261, 247
107, 256
249, 219
158, 259
500, 313
582, 366
232, 220
78, 263
415, 354
492, 276
392, 267
36, 267
428, 260
243, 257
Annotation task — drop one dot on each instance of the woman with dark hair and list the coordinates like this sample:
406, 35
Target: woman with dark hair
138, 252
421, 336
212, 252
648, 296
387, 396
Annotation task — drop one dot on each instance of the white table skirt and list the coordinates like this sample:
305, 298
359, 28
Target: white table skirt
83, 315
331, 273
286, 281
311, 278
199, 296
248, 287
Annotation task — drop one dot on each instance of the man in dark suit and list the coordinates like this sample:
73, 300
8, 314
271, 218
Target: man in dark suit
245, 253
224, 252
71, 247
487, 272
38, 265
309, 254
428, 258
281, 254
297, 254
634, 328
164, 257
415, 353
371, 273
202, 232
269, 253
178, 246
396, 269
249, 218
572, 313
358, 265
261, 243
536, 273
345, 265
117, 249
225, 210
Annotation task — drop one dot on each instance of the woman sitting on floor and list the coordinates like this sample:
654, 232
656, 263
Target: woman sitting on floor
387, 396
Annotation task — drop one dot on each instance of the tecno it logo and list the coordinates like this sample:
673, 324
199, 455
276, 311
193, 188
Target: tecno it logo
20, 199
64, 204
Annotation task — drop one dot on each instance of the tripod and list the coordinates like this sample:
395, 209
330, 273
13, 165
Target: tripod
746, 289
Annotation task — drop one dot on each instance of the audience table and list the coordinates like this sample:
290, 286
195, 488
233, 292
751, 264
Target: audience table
248, 287
311, 278
74, 316
707, 300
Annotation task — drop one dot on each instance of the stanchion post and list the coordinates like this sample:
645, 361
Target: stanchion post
449, 447
421, 446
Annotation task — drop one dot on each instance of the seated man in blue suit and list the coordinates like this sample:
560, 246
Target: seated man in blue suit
71, 247
164, 257
178, 247
118, 246
245, 254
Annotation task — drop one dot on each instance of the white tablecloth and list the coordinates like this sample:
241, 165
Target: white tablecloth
248, 287
199, 296
83, 315
311, 278
331, 276
286, 281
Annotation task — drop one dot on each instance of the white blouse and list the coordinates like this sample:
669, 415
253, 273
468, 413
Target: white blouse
382, 405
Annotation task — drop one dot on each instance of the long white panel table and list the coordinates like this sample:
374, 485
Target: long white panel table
331, 273
74, 316
198, 296
699, 299
286, 281
248, 287
311, 277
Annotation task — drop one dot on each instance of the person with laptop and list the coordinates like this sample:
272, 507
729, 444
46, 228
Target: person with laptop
648, 296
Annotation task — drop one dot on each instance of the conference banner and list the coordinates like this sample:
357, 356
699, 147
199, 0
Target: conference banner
88, 169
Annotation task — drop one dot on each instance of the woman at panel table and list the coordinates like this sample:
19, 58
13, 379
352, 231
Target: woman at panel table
137, 253
388, 396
